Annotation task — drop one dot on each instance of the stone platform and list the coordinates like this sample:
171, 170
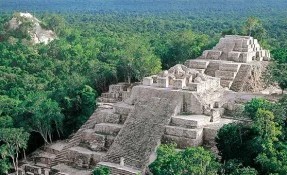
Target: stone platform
185, 105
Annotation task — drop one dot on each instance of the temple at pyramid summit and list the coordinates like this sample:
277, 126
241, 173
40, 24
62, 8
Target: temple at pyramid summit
186, 105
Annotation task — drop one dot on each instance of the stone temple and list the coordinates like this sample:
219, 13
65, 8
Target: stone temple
186, 105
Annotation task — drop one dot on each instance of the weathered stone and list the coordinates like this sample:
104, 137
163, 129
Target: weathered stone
147, 81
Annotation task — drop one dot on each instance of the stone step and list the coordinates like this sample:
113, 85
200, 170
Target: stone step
55, 148
115, 95
44, 158
212, 54
226, 83
197, 64
225, 75
211, 68
183, 132
118, 87
122, 108
63, 169
182, 142
229, 67
117, 169
107, 116
201, 70
106, 100
107, 128
34, 169
96, 142
190, 121
241, 78
83, 158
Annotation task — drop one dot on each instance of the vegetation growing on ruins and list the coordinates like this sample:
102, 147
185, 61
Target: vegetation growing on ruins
102, 170
260, 144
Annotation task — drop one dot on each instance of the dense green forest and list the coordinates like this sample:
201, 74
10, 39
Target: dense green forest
48, 91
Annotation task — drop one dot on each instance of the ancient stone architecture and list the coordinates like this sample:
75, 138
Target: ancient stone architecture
186, 105
37, 32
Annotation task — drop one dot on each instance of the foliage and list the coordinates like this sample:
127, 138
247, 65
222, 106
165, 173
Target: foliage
41, 115
15, 140
264, 137
102, 170
189, 161
234, 167
251, 108
238, 141
183, 46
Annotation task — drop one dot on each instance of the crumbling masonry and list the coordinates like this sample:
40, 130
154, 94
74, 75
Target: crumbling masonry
186, 105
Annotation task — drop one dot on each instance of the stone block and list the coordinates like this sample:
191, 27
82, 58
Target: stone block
225, 75
96, 158
147, 81
201, 71
179, 83
197, 87
209, 134
122, 108
197, 64
182, 142
214, 54
247, 57
79, 156
162, 82
107, 128
234, 56
106, 116
182, 132
95, 141
117, 88
32, 169
225, 83
229, 67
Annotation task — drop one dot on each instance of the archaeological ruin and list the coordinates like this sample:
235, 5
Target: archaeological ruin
186, 105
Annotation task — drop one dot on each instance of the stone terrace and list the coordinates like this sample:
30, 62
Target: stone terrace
185, 105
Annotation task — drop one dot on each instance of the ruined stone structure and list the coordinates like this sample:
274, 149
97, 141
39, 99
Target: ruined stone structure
186, 105
237, 60
37, 32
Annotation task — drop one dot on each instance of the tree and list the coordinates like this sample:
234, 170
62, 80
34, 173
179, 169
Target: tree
15, 140
276, 72
136, 59
189, 161
238, 141
251, 24
235, 167
183, 46
5, 165
251, 108
41, 115
102, 170
267, 128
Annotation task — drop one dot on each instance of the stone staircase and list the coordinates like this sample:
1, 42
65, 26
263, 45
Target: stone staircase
227, 73
89, 145
185, 130
241, 78
136, 143
211, 68
199, 65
